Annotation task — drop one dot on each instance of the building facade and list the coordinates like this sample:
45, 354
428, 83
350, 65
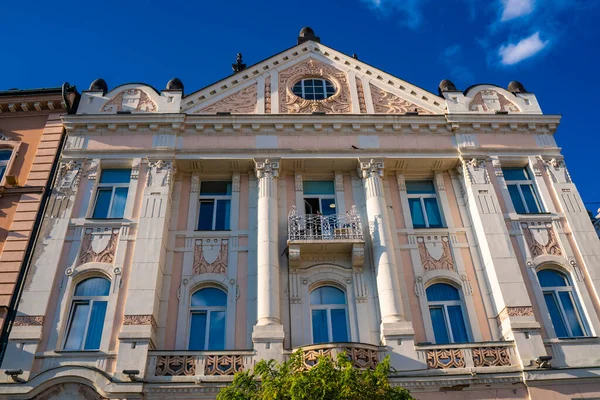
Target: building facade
31, 135
314, 202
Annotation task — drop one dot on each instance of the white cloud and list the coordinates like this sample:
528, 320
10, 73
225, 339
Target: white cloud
514, 53
410, 10
516, 8
452, 50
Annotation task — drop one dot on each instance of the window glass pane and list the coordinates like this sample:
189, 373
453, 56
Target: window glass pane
94, 333
416, 212
223, 213
102, 203
530, 198
328, 206
319, 325
93, 287
118, 206
439, 325
209, 297
339, 325
557, 321
442, 292
2, 169
318, 187
433, 213
5, 155
216, 335
552, 278
77, 329
205, 219
420, 187
210, 188
327, 295
197, 331
566, 298
516, 199
514, 174
457, 324
115, 176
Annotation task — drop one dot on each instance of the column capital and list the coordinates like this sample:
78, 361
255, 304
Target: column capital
371, 168
267, 168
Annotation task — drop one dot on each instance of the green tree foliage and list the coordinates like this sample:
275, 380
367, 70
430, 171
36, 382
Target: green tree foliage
328, 380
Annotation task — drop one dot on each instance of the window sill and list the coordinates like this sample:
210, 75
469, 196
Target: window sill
214, 230
568, 340
78, 354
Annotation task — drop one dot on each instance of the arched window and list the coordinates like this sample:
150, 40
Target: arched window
207, 319
445, 308
329, 314
86, 319
562, 303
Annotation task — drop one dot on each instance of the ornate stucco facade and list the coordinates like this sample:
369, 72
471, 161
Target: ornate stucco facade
265, 198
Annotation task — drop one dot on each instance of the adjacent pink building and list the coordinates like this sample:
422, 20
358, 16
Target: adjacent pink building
314, 202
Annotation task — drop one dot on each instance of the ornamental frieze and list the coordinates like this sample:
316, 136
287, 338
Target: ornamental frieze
29, 320
435, 253
388, 103
242, 102
99, 246
139, 320
210, 256
130, 100
519, 311
491, 101
289, 103
541, 239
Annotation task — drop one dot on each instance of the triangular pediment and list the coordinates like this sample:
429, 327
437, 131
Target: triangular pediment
266, 88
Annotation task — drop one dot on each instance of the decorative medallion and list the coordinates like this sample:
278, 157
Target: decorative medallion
289, 103
242, 102
388, 103
435, 253
541, 239
210, 256
491, 101
99, 246
130, 100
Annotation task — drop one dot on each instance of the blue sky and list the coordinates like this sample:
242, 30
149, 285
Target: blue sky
551, 46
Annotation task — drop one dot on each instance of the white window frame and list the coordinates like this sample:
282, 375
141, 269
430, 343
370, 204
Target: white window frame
328, 308
5, 163
529, 182
554, 290
82, 300
444, 305
215, 199
208, 310
421, 197
114, 186
323, 82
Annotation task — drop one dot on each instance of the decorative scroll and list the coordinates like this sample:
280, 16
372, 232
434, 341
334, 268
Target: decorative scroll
210, 256
223, 365
435, 253
445, 358
290, 103
99, 246
363, 358
242, 102
388, 103
130, 100
139, 320
491, 101
491, 357
361, 96
520, 311
29, 320
268, 95
175, 366
541, 239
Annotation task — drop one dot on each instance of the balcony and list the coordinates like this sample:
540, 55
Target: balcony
485, 356
362, 355
333, 237
204, 365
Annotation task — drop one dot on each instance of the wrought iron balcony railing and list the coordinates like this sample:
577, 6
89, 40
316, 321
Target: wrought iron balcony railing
324, 227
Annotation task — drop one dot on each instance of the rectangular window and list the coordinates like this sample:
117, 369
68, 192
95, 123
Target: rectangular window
215, 206
4, 158
423, 204
85, 327
521, 190
111, 195
319, 197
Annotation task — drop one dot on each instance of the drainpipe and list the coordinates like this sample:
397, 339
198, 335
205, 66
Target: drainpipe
16, 297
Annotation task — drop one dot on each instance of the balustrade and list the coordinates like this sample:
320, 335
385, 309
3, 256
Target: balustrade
165, 364
470, 355
360, 354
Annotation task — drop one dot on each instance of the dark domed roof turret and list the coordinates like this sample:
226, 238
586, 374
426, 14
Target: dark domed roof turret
516, 87
446, 86
99, 85
307, 34
175, 84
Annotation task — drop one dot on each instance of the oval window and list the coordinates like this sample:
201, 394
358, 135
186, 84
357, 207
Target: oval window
314, 89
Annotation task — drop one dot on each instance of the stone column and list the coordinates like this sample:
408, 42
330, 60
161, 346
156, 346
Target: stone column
268, 332
396, 333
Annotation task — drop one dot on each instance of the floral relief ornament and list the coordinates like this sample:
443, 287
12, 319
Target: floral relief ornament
130, 100
99, 246
240, 102
491, 101
541, 239
210, 256
435, 253
388, 103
